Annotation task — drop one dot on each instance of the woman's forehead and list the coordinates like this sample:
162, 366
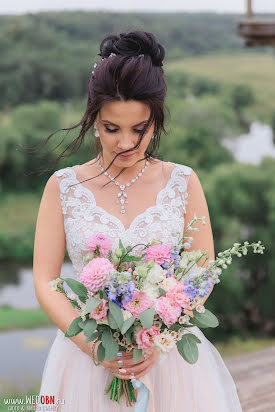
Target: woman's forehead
127, 112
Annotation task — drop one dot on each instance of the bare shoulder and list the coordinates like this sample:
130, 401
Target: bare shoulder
196, 196
197, 204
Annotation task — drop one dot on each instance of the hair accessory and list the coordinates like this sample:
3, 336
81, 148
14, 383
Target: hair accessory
111, 55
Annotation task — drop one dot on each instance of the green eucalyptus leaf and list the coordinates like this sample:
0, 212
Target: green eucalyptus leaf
128, 337
106, 338
127, 324
206, 319
116, 313
100, 352
162, 292
188, 349
92, 304
121, 247
192, 336
74, 328
110, 345
82, 324
77, 287
111, 321
90, 327
147, 317
137, 354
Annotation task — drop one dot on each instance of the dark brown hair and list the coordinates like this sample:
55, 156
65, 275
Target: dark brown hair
126, 76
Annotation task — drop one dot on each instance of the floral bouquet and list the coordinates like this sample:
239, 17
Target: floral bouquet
141, 303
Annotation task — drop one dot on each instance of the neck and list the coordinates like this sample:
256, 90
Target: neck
132, 168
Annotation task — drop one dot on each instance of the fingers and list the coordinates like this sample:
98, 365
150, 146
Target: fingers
139, 369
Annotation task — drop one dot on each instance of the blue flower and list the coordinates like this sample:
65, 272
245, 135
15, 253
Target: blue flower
111, 295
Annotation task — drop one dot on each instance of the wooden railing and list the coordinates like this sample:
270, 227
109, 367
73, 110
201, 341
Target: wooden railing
256, 31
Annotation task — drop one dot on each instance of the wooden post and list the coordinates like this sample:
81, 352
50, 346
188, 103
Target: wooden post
249, 13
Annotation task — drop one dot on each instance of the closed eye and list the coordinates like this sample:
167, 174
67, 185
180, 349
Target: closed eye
115, 130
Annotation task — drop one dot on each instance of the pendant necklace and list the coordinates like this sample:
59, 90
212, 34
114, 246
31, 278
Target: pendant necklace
122, 196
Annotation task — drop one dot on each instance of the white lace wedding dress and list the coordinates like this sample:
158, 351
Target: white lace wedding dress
70, 374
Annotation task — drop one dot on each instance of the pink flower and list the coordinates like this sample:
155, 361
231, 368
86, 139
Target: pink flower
145, 337
138, 304
177, 295
100, 311
95, 273
158, 253
168, 310
101, 241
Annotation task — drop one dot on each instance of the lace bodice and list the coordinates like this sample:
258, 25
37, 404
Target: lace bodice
82, 217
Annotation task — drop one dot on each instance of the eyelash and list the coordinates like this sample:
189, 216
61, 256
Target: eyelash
115, 130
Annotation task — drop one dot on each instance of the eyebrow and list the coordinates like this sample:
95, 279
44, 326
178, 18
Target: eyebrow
108, 121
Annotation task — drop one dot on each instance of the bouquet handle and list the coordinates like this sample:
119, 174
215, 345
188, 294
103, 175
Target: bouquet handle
145, 392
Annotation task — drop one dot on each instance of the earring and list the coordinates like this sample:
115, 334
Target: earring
153, 137
96, 131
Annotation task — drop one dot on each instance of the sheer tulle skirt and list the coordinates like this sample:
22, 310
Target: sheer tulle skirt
207, 386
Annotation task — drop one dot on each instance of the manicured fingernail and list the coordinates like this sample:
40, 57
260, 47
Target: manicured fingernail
119, 354
122, 370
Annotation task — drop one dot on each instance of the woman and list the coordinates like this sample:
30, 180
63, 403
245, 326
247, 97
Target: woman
126, 96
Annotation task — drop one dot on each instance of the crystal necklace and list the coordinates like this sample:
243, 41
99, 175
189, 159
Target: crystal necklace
122, 196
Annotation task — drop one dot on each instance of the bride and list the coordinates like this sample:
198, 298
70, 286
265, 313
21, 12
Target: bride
126, 95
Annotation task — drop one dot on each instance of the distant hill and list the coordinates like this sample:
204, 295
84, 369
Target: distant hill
50, 55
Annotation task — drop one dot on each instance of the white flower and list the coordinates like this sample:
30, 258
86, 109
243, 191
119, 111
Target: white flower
71, 296
54, 283
151, 290
200, 308
157, 324
156, 274
168, 283
184, 262
191, 306
103, 321
126, 314
164, 341
184, 319
197, 300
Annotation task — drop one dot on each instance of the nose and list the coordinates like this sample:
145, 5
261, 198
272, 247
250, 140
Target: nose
125, 144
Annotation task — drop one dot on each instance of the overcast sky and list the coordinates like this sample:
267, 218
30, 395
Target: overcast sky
219, 6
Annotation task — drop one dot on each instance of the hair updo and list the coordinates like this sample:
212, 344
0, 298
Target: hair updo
126, 76
133, 44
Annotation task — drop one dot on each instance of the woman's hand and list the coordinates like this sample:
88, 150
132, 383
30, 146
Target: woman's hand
136, 370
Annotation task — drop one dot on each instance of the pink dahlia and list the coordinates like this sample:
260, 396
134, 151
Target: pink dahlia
101, 241
95, 273
145, 337
158, 253
138, 304
100, 311
179, 297
168, 310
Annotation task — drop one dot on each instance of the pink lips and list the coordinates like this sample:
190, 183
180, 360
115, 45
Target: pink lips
126, 156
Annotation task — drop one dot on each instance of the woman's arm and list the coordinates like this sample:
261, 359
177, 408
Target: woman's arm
48, 255
203, 239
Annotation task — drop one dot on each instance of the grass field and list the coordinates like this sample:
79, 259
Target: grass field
10, 220
255, 69
11, 318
